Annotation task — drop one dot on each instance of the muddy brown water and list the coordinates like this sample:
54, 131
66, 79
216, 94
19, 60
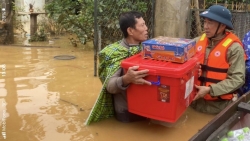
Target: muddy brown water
44, 99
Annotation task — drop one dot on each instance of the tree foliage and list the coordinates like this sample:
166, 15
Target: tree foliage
77, 16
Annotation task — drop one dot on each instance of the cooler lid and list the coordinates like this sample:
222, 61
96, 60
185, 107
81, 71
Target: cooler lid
162, 68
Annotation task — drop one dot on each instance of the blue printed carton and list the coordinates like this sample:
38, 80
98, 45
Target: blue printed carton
169, 49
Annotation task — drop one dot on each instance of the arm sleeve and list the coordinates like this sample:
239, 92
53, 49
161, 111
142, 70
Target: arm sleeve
235, 74
115, 83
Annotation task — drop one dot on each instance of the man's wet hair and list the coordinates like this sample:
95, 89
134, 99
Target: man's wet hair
128, 19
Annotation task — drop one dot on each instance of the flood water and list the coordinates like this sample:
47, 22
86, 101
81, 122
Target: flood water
44, 99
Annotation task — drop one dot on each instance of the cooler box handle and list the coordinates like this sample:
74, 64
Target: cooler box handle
157, 83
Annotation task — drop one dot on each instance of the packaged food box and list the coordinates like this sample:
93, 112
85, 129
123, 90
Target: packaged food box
172, 88
169, 49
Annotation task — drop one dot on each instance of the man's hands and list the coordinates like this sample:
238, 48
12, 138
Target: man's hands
202, 91
134, 76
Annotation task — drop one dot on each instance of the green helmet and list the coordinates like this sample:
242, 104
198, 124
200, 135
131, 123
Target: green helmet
220, 14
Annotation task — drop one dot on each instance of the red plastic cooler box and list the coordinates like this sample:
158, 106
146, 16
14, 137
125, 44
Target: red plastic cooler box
172, 88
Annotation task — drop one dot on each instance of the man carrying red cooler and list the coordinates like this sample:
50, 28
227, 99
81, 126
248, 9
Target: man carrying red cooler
223, 66
113, 99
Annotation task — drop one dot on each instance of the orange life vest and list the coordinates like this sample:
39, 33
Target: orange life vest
217, 65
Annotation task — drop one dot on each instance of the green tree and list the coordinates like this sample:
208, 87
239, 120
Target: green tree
77, 16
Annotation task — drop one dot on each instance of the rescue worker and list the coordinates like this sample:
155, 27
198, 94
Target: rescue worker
223, 66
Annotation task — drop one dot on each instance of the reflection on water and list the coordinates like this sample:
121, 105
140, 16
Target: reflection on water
48, 99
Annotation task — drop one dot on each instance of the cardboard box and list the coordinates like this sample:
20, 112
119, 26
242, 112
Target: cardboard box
172, 88
169, 49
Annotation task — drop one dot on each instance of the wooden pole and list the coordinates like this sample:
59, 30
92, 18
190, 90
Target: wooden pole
96, 37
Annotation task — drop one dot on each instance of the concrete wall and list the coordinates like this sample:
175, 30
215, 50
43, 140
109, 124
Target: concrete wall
170, 18
23, 5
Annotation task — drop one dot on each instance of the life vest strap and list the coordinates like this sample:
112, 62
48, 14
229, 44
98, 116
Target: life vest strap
208, 68
206, 79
